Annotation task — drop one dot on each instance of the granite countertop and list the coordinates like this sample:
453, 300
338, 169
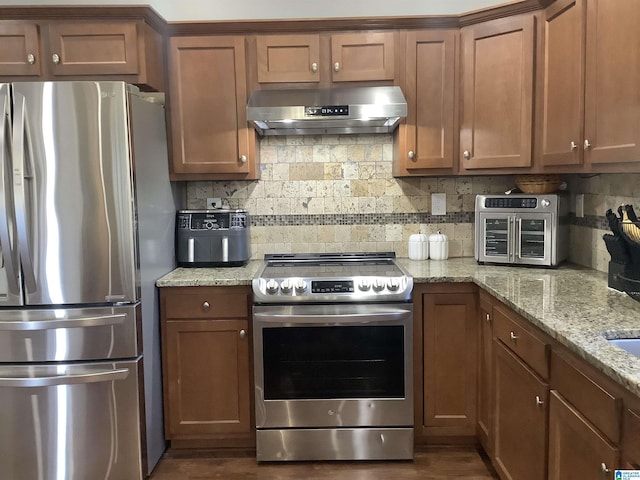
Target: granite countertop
572, 304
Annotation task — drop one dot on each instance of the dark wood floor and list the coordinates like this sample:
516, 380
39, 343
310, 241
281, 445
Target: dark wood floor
429, 463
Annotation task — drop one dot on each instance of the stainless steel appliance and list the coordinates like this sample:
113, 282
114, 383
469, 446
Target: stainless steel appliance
84, 235
212, 238
522, 229
333, 357
317, 111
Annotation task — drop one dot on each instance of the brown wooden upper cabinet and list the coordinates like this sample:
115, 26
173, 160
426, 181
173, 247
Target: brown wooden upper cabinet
317, 58
208, 99
124, 50
591, 73
426, 142
497, 93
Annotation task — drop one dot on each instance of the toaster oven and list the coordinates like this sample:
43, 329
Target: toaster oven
212, 238
522, 229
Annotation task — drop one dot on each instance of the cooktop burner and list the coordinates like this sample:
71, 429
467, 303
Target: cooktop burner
331, 277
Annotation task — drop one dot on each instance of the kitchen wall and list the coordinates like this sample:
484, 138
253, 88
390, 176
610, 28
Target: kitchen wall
600, 193
336, 193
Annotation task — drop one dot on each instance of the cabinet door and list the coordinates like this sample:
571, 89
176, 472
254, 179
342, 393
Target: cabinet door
100, 48
208, 101
563, 84
19, 49
288, 58
497, 93
485, 375
362, 56
449, 363
612, 93
207, 375
520, 429
576, 448
429, 136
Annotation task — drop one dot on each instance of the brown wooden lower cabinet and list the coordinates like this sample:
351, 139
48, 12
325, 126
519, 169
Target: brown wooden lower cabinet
206, 367
446, 355
576, 448
485, 373
631, 441
520, 419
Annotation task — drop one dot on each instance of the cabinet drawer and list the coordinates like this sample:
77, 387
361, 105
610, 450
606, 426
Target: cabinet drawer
598, 405
525, 344
208, 303
631, 443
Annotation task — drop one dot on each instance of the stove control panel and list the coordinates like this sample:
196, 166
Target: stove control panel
352, 289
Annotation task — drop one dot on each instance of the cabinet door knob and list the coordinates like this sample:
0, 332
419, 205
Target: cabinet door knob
243, 159
336, 67
603, 468
206, 306
55, 58
466, 154
587, 145
574, 145
539, 402
31, 59
314, 67
412, 154
487, 317
513, 336
243, 333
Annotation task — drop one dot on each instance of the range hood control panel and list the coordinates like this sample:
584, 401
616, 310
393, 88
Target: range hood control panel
327, 111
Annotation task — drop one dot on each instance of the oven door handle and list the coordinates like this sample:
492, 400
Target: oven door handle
288, 318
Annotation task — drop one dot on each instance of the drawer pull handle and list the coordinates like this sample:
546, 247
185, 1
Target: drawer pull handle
513, 336
206, 305
243, 333
539, 402
603, 468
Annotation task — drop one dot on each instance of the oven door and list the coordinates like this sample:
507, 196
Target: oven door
534, 235
340, 365
495, 237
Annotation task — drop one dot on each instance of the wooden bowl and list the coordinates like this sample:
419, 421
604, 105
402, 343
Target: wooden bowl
538, 183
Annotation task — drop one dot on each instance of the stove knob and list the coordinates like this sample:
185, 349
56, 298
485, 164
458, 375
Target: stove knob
286, 286
378, 284
272, 286
393, 284
364, 284
301, 285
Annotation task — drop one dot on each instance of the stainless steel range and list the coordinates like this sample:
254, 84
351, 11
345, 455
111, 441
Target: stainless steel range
333, 357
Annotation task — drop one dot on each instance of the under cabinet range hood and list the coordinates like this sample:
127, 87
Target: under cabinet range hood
326, 111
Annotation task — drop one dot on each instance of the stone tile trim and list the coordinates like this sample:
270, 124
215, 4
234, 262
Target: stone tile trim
360, 219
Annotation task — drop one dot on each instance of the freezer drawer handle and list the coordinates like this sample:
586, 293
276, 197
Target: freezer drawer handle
98, 321
106, 376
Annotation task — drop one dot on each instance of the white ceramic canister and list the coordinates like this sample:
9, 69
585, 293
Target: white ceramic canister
418, 246
438, 246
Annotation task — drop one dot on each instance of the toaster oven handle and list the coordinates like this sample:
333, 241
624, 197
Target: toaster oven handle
518, 239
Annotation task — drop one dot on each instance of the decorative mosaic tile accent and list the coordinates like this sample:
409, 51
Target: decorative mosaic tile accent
360, 219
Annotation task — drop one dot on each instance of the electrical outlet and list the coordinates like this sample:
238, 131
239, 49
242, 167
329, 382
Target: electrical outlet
214, 203
580, 205
438, 204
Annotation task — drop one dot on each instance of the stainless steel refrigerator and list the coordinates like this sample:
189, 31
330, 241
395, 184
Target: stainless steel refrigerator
86, 227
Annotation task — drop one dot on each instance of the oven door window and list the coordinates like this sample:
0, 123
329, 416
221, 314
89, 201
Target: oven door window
333, 362
496, 236
532, 238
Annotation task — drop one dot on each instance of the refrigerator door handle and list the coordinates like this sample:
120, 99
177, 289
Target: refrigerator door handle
22, 142
9, 258
80, 322
50, 381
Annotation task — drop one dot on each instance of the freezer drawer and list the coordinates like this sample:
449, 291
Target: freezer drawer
70, 422
48, 335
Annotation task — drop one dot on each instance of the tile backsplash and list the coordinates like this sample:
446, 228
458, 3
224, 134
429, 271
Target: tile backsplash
337, 193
